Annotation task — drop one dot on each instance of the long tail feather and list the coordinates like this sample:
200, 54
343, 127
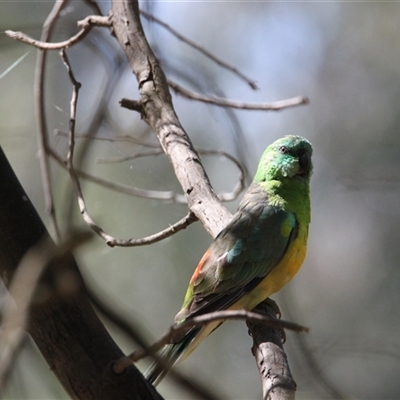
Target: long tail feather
168, 356
159, 368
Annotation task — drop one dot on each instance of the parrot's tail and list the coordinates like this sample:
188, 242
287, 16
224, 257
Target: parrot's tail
167, 357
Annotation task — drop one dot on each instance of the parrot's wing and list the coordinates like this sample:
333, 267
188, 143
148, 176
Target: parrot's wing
240, 257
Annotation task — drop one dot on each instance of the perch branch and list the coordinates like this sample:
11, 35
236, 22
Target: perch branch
272, 363
201, 320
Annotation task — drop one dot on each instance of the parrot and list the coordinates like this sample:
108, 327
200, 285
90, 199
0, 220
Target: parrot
256, 254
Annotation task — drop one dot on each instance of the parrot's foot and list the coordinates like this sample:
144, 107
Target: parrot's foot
275, 307
283, 335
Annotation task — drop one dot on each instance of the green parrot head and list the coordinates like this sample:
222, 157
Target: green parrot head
288, 157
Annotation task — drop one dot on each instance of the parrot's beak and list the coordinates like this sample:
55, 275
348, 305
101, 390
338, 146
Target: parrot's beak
305, 163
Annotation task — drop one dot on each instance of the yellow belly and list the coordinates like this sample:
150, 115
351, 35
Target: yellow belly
280, 275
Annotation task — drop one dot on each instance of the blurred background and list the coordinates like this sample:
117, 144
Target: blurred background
346, 58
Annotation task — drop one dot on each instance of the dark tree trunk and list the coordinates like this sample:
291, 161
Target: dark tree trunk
66, 330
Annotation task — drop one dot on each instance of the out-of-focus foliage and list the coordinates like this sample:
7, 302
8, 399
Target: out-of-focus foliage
346, 58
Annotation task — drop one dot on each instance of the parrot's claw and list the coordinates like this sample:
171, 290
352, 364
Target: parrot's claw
275, 307
283, 335
272, 303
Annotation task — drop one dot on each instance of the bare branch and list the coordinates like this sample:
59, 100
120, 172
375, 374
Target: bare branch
70, 167
86, 25
272, 363
159, 113
201, 49
171, 230
201, 320
133, 105
221, 102
110, 240
42, 136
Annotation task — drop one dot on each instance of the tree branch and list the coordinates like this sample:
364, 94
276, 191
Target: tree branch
250, 317
157, 110
272, 363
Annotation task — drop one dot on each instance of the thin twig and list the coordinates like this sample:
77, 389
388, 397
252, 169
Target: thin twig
130, 157
86, 25
117, 138
201, 49
222, 102
229, 196
42, 136
134, 191
70, 166
201, 320
110, 240
156, 237
224, 196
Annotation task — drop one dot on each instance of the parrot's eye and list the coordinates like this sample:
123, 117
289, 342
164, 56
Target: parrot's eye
283, 150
